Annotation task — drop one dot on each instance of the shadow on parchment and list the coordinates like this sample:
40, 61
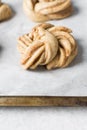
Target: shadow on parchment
1, 49
76, 9
79, 58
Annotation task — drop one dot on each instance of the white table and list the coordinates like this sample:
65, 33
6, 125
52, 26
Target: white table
43, 118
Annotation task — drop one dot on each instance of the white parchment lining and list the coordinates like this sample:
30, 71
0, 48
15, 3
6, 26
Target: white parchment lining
71, 81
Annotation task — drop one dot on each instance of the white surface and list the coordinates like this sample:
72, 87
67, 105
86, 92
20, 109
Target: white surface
16, 81
43, 119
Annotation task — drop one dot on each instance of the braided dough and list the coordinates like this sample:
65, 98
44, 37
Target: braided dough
43, 10
5, 12
47, 45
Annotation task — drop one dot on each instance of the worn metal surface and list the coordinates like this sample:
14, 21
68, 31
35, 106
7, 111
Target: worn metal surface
42, 101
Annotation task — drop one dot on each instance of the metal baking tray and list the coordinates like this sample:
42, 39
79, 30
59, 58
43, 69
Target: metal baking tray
60, 87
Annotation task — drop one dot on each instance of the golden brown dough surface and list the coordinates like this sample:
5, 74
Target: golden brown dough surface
49, 45
5, 11
43, 10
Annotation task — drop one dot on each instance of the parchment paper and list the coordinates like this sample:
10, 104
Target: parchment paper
71, 81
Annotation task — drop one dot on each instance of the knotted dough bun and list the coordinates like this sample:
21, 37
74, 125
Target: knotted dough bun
43, 10
49, 45
5, 11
